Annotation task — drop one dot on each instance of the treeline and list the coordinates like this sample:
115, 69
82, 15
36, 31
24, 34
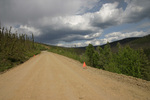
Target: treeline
16, 48
69, 52
126, 61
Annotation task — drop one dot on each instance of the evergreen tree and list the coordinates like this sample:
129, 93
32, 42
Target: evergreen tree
101, 61
145, 65
32, 41
95, 59
90, 51
107, 54
128, 61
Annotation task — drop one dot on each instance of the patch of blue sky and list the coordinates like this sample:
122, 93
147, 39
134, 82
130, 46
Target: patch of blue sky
96, 7
128, 27
122, 4
142, 25
100, 3
17, 26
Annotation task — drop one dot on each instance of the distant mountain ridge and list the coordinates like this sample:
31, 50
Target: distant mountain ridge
122, 42
134, 42
127, 41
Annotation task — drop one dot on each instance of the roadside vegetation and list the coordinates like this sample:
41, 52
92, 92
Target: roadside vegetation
125, 60
69, 52
16, 48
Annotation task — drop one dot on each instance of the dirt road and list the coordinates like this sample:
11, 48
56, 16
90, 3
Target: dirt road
49, 76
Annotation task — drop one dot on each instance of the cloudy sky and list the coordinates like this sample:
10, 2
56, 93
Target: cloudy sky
77, 22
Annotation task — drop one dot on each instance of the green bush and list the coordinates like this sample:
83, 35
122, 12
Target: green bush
126, 61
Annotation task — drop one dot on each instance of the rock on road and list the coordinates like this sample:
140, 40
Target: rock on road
50, 76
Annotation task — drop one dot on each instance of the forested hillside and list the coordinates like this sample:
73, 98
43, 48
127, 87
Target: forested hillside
16, 48
128, 56
126, 61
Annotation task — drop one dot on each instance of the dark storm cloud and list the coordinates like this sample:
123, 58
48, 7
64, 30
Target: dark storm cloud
54, 36
25, 11
104, 25
28, 13
52, 21
136, 11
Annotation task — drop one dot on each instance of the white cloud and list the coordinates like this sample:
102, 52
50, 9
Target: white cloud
107, 16
84, 23
24, 29
54, 21
119, 35
108, 38
27, 29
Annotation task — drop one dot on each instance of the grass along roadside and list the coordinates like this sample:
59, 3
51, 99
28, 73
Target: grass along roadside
16, 48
